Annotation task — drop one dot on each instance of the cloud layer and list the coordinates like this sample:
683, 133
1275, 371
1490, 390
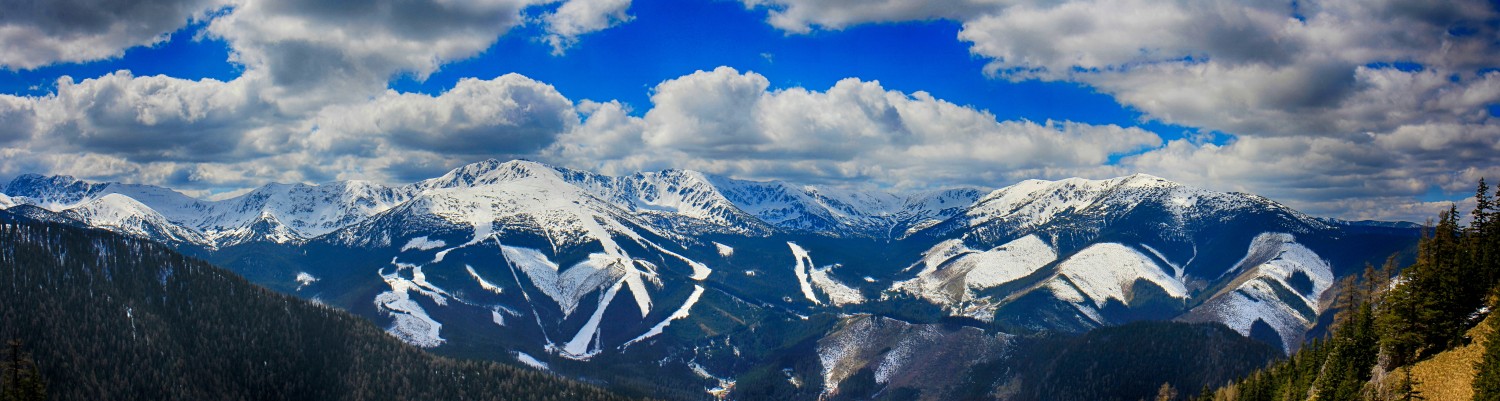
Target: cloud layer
727, 122
1351, 108
1328, 103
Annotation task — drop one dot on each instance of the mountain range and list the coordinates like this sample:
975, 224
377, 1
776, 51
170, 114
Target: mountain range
689, 280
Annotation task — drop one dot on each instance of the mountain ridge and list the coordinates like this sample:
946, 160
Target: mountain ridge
686, 200
717, 279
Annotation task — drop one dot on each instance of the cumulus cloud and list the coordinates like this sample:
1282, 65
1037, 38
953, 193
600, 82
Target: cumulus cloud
154, 118
17, 119
317, 52
727, 122
38, 33
209, 134
575, 18
508, 115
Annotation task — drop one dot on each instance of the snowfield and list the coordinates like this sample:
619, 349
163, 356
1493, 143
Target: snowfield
1270, 263
951, 272
1106, 271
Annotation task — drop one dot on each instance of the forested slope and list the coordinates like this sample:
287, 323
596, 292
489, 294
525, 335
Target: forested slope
109, 317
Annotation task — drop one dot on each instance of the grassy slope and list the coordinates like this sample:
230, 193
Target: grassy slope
1450, 374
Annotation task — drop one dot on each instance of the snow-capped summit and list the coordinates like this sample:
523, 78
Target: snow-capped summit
1086, 204
487, 172
61, 192
120, 213
676, 201
301, 211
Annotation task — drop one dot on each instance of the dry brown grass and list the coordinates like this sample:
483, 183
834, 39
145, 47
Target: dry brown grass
1450, 375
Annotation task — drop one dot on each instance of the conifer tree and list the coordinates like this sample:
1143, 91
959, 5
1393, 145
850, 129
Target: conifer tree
1487, 370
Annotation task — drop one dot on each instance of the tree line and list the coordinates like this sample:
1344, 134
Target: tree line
1389, 318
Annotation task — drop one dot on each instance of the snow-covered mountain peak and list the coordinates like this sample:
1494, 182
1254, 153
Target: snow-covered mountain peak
123, 214
290, 212
51, 192
489, 172
1032, 203
1143, 180
24, 182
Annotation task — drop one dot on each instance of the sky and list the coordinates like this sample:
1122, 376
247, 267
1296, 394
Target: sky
1357, 109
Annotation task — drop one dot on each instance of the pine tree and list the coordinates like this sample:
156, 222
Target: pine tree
1482, 240
1484, 207
1487, 370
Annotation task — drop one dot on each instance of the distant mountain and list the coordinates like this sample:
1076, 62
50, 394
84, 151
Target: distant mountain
714, 280
107, 316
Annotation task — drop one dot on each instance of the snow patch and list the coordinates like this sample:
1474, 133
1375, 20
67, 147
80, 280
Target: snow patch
952, 272
838, 293
496, 317
304, 279
681, 313
1107, 271
422, 244
482, 282
578, 348
804, 263
531, 361
411, 323
1177, 271
724, 250
569, 287
1268, 265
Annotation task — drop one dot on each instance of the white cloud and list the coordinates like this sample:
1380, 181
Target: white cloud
155, 118
321, 51
1242, 67
1378, 176
209, 134
801, 16
575, 18
38, 33
17, 119
727, 122
310, 105
508, 115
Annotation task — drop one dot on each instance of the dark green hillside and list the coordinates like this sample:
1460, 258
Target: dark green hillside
111, 318
1132, 361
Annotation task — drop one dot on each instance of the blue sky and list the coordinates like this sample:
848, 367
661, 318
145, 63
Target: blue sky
1343, 108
